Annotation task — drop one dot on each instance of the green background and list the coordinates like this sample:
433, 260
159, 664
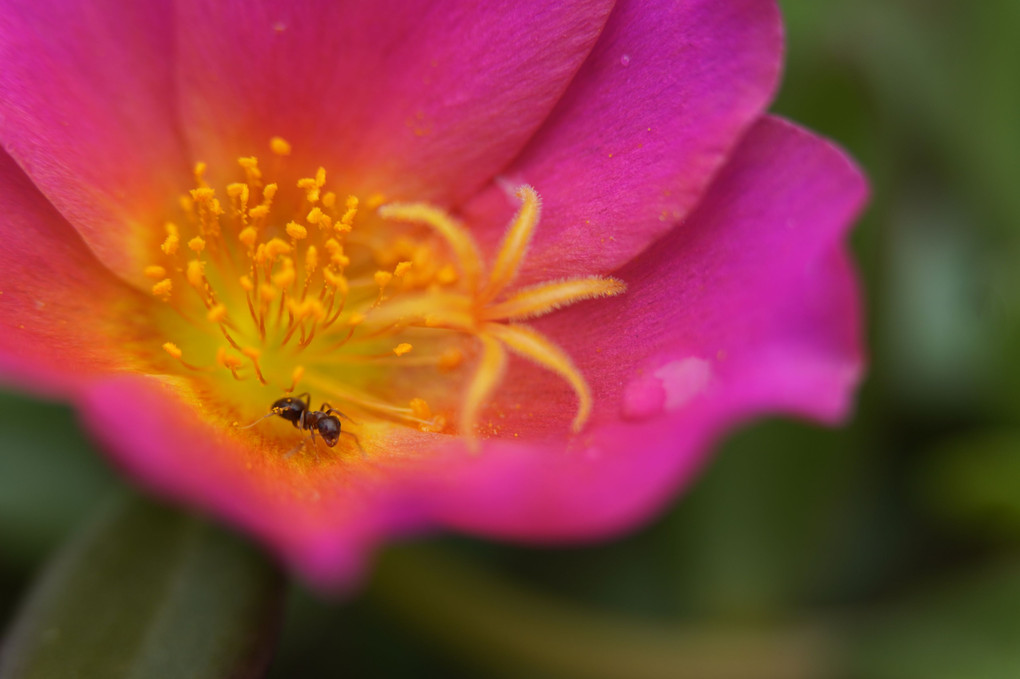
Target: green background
886, 549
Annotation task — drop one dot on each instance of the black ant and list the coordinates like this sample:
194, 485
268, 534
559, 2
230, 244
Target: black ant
300, 414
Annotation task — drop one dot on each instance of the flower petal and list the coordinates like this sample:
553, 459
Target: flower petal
322, 515
758, 272
58, 305
750, 308
650, 117
86, 108
423, 100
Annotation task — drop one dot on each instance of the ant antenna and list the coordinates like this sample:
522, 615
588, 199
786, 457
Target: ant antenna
249, 426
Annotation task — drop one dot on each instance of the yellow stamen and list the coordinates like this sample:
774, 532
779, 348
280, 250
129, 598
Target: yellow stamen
515, 243
488, 375
296, 231
280, 146
402, 348
545, 298
196, 244
217, 313
163, 289
196, 273
172, 349
530, 344
456, 235
155, 271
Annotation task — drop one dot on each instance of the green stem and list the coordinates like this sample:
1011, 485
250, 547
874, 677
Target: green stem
497, 623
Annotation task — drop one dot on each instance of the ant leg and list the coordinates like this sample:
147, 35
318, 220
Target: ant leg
308, 399
329, 410
315, 448
357, 442
294, 449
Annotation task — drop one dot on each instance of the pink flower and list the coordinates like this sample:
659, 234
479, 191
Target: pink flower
559, 380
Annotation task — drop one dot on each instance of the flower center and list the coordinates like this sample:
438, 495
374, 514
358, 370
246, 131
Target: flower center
385, 310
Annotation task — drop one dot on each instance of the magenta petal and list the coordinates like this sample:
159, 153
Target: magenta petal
749, 308
656, 109
86, 108
57, 303
419, 99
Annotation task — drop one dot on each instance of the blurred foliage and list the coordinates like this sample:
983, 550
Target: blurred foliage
886, 550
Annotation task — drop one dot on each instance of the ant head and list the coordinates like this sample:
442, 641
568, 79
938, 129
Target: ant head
329, 429
289, 408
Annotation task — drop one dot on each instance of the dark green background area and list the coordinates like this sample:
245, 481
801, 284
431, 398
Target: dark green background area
887, 549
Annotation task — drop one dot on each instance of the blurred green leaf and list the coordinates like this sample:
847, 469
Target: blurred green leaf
974, 482
50, 476
966, 628
145, 592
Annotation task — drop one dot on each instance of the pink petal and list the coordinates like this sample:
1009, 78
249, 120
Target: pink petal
422, 99
631, 147
86, 108
58, 305
748, 309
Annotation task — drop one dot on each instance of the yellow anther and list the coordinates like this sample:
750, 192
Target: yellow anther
249, 164
268, 193
402, 268
317, 216
163, 289
313, 307
227, 360
276, 247
259, 212
155, 271
172, 349
402, 348
450, 359
347, 221
267, 293
285, 277
195, 273
447, 275
239, 190
217, 313
247, 236
171, 244
450, 229
420, 409
355, 319
320, 176
196, 244
199, 173
329, 200
251, 352
203, 194
296, 231
279, 146
246, 283
311, 259
336, 280
383, 278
